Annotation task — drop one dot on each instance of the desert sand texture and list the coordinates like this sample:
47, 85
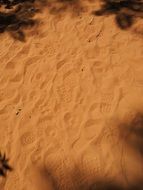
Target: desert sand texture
71, 102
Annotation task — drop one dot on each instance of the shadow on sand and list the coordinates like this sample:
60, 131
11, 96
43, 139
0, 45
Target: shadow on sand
125, 11
79, 184
132, 133
18, 15
78, 179
4, 165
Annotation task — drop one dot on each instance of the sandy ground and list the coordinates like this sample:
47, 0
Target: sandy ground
67, 98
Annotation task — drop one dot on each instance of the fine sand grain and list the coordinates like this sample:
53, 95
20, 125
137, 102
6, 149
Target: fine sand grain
70, 99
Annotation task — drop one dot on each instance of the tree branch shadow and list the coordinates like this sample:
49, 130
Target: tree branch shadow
16, 19
79, 184
58, 6
131, 133
18, 15
126, 11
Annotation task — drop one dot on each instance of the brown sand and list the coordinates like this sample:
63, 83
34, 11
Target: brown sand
66, 97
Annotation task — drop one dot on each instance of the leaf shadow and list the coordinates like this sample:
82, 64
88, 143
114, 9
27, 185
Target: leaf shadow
126, 12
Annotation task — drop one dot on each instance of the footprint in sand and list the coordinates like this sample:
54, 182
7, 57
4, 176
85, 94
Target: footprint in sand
40, 179
27, 138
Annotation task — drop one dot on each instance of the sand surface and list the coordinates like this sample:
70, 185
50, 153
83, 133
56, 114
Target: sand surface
68, 96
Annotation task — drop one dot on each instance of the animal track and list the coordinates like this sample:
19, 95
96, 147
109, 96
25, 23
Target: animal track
64, 94
13, 181
50, 131
27, 138
70, 79
36, 156
50, 50
68, 118
60, 64
92, 128
105, 108
5, 46
138, 83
